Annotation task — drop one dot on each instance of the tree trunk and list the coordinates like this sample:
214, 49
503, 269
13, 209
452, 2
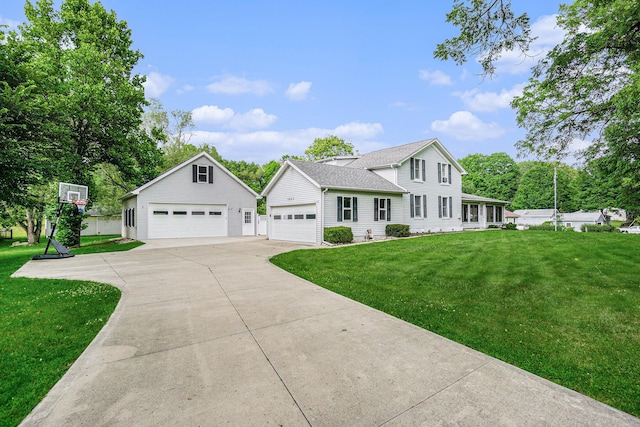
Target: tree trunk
33, 225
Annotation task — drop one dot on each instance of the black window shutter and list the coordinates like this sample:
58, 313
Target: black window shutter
413, 170
339, 208
194, 168
133, 217
424, 170
450, 207
210, 174
354, 208
424, 205
388, 209
449, 174
439, 206
375, 209
411, 206
439, 172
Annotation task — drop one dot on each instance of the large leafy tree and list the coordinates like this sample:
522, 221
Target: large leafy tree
586, 88
495, 175
536, 189
79, 65
330, 146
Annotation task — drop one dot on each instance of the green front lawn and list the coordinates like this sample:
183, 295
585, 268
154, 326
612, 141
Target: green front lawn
45, 325
565, 306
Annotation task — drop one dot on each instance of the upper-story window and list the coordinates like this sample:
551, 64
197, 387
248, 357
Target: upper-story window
203, 173
444, 173
418, 169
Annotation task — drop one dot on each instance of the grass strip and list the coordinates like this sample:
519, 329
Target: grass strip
46, 324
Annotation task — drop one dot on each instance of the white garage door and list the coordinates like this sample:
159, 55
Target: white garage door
294, 223
181, 220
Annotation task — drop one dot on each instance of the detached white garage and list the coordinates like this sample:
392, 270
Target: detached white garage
294, 223
197, 198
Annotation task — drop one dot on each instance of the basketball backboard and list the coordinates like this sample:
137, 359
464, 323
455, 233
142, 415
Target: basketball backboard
67, 193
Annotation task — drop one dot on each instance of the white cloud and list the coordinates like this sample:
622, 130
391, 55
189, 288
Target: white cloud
157, 84
252, 119
436, 77
489, 101
184, 89
463, 125
232, 85
548, 36
298, 91
213, 115
358, 130
11, 24
264, 145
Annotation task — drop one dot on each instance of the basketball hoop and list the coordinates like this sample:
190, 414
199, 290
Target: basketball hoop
81, 204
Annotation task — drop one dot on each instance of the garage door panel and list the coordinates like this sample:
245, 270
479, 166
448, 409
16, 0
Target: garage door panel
186, 220
294, 223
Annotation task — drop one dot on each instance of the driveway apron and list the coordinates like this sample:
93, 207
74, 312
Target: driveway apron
208, 332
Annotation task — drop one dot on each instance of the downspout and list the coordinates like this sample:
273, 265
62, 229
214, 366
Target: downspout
322, 217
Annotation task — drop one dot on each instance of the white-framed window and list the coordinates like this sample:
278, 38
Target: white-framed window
490, 216
347, 209
470, 213
418, 169
444, 173
499, 214
248, 217
381, 209
202, 174
418, 205
445, 206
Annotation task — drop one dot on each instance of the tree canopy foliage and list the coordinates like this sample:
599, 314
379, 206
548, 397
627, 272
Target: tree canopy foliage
496, 175
488, 28
585, 89
70, 102
330, 146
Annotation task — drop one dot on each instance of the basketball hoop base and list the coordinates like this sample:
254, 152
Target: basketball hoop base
52, 256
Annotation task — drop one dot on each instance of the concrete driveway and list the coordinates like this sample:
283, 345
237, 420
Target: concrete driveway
208, 333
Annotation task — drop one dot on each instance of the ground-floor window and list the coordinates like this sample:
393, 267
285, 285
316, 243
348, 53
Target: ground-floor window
494, 213
470, 213
129, 217
418, 205
347, 208
445, 206
381, 209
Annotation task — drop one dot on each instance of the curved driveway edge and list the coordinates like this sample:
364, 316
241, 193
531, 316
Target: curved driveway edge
208, 332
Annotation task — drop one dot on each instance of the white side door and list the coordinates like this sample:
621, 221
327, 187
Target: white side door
248, 222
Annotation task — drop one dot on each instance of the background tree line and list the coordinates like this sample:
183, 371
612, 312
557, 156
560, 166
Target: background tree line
530, 184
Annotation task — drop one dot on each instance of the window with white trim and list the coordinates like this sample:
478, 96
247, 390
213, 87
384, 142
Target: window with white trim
444, 173
470, 213
381, 209
347, 209
418, 205
418, 169
202, 174
445, 206
490, 217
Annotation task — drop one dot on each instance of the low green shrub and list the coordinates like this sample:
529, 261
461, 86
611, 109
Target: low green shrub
397, 230
569, 229
509, 226
493, 226
594, 228
338, 235
547, 226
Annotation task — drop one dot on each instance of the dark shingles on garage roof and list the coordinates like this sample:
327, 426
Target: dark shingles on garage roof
389, 156
340, 177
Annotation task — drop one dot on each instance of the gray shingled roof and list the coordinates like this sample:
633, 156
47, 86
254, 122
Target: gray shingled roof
389, 156
581, 216
340, 177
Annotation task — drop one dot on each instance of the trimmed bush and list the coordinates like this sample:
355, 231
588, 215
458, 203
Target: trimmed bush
397, 230
547, 226
338, 235
509, 226
594, 228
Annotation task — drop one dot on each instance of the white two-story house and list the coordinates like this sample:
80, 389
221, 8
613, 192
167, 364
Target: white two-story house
417, 184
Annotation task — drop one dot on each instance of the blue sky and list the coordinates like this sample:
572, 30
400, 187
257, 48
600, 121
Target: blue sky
265, 78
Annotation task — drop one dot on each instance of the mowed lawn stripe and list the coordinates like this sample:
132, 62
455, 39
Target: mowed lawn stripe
564, 306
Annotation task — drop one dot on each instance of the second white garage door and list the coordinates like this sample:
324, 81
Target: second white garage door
168, 220
294, 223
